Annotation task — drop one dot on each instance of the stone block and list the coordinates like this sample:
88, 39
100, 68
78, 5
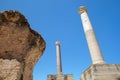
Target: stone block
60, 77
102, 72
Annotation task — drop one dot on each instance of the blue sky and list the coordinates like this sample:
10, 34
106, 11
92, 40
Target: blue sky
59, 20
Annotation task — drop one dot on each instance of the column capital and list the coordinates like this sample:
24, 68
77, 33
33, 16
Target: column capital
82, 9
57, 43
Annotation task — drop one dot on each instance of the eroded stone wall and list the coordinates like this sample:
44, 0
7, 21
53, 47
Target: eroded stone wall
10, 69
20, 47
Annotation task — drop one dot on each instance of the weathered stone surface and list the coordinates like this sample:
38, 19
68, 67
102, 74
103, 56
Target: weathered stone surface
10, 69
102, 72
19, 42
60, 77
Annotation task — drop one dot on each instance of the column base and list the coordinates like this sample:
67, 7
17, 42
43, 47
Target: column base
102, 72
60, 77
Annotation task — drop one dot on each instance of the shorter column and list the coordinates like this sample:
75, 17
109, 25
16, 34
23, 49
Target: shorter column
58, 54
59, 75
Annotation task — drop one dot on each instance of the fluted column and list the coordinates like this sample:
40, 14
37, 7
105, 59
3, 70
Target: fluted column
93, 45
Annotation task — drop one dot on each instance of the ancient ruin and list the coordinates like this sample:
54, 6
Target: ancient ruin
59, 75
20, 47
99, 70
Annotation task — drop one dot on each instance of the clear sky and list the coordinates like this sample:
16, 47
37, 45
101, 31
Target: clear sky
59, 20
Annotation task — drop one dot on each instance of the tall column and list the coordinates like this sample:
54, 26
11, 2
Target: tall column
90, 37
59, 63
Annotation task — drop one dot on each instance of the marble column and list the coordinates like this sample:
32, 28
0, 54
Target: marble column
93, 45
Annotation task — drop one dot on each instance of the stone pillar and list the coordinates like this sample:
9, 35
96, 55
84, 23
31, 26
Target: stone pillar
91, 38
58, 54
59, 75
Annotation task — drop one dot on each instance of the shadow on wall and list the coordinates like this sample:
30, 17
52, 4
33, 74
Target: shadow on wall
118, 78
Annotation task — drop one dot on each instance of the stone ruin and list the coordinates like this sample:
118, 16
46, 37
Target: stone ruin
20, 47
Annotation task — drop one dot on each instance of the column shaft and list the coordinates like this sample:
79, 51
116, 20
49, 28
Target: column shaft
58, 54
93, 45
